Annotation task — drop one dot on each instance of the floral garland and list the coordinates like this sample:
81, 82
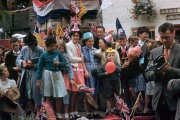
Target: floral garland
143, 7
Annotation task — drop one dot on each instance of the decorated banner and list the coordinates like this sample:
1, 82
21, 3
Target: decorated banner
59, 31
39, 34
82, 9
44, 9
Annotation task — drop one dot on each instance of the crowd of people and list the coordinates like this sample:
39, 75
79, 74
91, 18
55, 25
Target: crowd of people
55, 74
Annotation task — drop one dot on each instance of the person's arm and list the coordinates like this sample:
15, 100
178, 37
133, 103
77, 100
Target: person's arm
117, 57
20, 58
71, 57
40, 67
118, 68
39, 71
40, 50
102, 72
174, 85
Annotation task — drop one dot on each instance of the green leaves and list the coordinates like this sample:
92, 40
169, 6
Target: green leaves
4, 16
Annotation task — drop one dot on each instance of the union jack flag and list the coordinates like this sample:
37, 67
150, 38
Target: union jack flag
67, 31
74, 20
122, 105
74, 7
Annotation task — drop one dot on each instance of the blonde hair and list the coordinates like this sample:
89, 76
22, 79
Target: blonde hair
1, 69
62, 44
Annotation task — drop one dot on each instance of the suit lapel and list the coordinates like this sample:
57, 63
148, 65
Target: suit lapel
160, 51
172, 53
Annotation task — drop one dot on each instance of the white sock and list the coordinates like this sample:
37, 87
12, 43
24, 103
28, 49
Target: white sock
95, 112
112, 109
66, 115
76, 112
107, 110
58, 115
72, 113
88, 113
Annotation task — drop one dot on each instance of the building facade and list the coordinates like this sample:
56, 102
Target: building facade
166, 11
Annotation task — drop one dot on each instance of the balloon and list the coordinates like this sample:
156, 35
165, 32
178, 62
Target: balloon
110, 67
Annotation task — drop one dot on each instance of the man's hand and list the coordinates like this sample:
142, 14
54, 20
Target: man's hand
16, 68
38, 83
166, 68
2, 93
125, 64
56, 64
27, 64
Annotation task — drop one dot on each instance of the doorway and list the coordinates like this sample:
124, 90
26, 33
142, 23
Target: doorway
177, 29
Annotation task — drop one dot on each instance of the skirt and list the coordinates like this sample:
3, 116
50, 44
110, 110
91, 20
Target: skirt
150, 86
54, 84
140, 83
78, 77
92, 82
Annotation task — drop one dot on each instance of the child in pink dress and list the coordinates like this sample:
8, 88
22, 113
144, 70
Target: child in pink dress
76, 60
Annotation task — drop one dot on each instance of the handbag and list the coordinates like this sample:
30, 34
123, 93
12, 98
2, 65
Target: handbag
13, 93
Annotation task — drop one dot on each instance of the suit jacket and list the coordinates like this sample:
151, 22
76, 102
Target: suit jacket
174, 86
121, 54
161, 81
10, 62
72, 53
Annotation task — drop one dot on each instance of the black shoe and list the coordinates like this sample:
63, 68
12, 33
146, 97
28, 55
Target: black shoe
107, 114
72, 117
77, 116
117, 112
89, 116
97, 116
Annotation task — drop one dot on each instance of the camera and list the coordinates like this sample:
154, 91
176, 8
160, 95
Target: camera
157, 64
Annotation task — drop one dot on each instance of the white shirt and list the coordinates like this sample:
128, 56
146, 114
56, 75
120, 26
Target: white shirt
7, 84
141, 43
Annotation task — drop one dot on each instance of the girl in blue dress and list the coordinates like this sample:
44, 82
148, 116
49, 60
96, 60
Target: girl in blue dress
91, 65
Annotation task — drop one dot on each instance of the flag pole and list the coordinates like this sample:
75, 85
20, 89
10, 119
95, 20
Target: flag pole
134, 107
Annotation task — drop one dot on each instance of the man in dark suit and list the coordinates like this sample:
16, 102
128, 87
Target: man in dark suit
164, 101
10, 60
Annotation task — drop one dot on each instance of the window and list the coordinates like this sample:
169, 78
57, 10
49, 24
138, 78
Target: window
151, 32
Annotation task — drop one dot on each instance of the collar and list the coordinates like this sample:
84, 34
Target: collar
89, 48
141, 43
170, 46
4, 82
16, 53
123, 47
